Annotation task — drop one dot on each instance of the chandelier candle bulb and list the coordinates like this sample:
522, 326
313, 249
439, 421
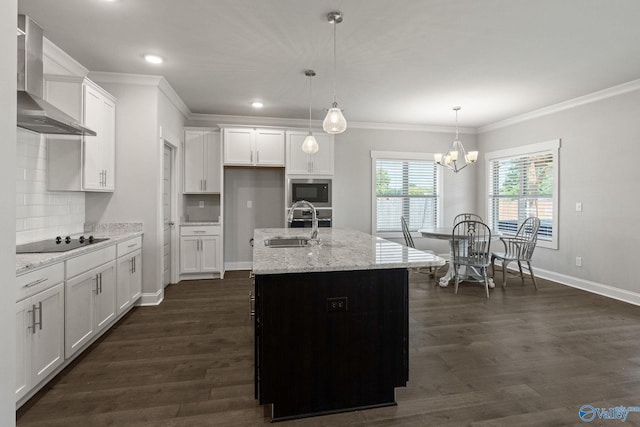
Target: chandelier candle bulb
473, 156
438, 158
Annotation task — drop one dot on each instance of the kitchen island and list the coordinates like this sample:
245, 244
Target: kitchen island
331, 321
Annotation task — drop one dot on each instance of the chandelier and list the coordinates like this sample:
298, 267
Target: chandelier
454, 158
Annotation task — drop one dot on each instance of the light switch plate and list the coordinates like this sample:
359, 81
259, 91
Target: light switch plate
578, 206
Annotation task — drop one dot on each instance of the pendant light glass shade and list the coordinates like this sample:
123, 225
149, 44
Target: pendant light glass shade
334, 122
310, 145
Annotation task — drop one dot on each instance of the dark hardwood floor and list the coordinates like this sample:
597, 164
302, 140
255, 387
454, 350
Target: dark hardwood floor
521, 358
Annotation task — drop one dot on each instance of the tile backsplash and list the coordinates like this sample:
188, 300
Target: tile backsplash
42, 214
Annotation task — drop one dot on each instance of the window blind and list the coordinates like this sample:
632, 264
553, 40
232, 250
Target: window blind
406, 188
520, 187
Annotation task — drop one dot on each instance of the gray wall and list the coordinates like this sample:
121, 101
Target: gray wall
352, 180
264, 187
138, 175
600, 146
8, 211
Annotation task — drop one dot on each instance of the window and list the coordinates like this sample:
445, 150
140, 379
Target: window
523, 182
405, 184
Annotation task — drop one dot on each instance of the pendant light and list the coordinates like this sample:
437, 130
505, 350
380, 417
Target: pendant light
450, 160
334, 122
310, 145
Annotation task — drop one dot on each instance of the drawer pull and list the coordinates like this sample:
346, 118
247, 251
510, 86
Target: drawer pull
133, 245
199, 231
36, 282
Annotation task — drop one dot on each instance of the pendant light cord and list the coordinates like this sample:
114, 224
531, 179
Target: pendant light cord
334, 60
310, 105
457, 139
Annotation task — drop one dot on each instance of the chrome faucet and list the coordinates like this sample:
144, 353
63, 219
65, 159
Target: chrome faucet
314, 216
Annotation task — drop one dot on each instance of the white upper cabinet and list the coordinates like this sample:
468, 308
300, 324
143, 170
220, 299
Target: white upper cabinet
85, 163
300, 163
254, 147
202, 164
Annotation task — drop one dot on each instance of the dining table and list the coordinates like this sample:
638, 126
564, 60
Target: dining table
471, 274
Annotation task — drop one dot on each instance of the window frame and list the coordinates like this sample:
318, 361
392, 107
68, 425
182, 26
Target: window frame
408, 156
553, 147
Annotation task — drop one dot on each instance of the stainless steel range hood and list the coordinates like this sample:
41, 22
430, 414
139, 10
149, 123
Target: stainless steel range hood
34, 113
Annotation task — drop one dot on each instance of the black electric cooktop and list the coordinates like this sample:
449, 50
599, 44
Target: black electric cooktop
58, 244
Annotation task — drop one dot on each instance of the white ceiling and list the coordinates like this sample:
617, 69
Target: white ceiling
404, 62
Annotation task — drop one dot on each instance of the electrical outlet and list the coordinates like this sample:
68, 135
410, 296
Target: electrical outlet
201, 204
578, 261
336, 305
249, 204
578, 206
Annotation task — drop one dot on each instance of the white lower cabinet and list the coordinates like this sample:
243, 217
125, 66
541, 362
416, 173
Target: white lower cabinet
39, 337
91, 305
201, 249
129, 280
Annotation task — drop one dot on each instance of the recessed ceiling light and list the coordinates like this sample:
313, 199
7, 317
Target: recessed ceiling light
257, 104
153, 59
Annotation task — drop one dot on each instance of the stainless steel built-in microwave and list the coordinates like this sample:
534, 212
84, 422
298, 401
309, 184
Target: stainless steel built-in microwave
316, 191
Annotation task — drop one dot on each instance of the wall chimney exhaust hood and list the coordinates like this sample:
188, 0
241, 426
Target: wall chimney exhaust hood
34, 113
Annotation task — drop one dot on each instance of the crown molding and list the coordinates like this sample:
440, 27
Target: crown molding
62, 60
620, 89
126, 79
197, 119
174, 98
144, 80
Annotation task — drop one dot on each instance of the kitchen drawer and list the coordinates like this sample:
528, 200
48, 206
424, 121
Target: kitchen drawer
129, 246
202, 230
86, 262
33, 282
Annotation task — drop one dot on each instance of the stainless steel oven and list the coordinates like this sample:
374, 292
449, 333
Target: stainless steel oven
315, 191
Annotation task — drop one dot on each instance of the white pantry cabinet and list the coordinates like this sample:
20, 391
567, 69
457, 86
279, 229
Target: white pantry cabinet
39, 328
129, 270
300, 163
82, 163
200, 249
202, 163
254, 147
90, 297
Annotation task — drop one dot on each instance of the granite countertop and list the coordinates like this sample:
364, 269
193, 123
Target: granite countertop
28, 262
338, 250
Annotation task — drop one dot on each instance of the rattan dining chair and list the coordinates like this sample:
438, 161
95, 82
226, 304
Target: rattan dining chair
518, 248
408, 241
467, 217
470, 248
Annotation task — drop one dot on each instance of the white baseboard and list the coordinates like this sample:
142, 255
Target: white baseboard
589, 286
152, 298
242, 265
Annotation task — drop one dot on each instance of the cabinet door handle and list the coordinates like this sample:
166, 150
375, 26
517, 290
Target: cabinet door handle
135, 265
252, 307
251, 157
205, 185
97, 285
36, 282
32, 312
105, 178
39, 308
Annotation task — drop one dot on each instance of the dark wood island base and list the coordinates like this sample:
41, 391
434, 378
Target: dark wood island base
329, 342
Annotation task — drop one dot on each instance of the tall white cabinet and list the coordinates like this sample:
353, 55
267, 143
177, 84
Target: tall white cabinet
202, 162
82, 163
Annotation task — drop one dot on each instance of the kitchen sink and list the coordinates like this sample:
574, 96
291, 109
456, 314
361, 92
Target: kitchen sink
286, 242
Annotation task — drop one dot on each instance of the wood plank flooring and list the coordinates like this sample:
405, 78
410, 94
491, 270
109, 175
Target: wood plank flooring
521, 358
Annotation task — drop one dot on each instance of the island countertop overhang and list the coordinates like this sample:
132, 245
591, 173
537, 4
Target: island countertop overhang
337, 250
